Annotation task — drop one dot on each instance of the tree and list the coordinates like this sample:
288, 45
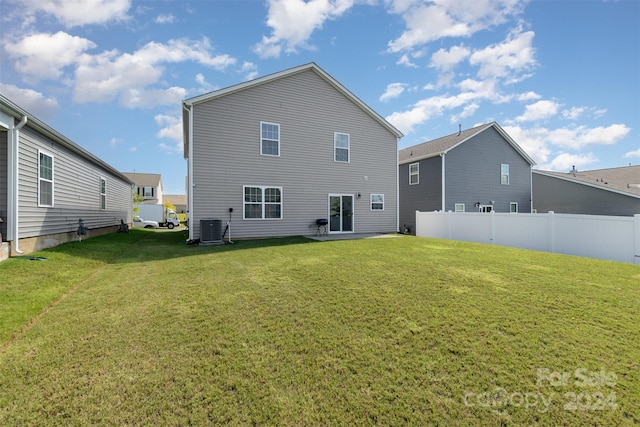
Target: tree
137, 198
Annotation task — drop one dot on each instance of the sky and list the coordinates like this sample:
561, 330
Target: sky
562, 77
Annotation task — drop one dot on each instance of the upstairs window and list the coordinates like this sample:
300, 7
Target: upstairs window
513, 207
103, 193
148, 191
341, 145
414, 173
45, 179
504, 174
262, 202
269, 139
377, 202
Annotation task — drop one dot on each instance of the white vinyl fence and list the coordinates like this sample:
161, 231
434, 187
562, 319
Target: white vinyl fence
614, 238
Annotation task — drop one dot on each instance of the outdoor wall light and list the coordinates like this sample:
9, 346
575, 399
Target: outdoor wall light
477, 204
493, 201
358, 195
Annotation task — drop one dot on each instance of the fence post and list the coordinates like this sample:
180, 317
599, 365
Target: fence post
492, 237
636, 238
551, 228
449, 226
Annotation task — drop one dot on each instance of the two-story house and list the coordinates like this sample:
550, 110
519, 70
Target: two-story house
277, 153
481, 169
148, 186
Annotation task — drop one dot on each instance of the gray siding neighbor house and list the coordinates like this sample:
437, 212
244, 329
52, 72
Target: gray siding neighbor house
277, 153
613, 191
48, 183
481, 169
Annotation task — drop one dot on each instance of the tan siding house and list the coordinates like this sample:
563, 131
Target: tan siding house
48, 183
285, 150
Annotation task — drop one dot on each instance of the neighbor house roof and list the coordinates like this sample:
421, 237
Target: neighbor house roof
145, 179
443, 145
625, 180
176, 199
312, 66
9, 107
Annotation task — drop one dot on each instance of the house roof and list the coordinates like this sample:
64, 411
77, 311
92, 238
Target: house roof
443, 145
176, 199
625, 180
312, 66
12, 109
145, 179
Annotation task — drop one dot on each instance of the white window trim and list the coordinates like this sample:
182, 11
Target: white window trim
504, 175
417, 173
371, 202
455, 208
263, 203
511, 204
52, 181
335, 147
103, 195
269, 139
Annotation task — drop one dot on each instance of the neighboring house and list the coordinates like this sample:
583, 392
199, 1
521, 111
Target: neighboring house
285, 150
475, 170
147, 185
179, 201
48, 183
614, 191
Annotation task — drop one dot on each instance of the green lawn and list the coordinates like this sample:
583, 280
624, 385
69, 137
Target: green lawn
141, 329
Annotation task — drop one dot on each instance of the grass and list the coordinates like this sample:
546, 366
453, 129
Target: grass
141, 329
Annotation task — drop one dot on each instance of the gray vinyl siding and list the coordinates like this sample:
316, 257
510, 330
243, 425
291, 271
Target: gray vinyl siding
76, 190
473, 174
425, 196
561, 196
226, 156
3, 182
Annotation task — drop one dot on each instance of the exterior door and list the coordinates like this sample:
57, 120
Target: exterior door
341, 213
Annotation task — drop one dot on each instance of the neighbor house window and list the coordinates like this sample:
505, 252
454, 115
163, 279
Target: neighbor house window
148, 191
45, 179
414, 173
513, 207
269, 139
262, 202
341, 147
459, 207
504, 174
103, 193
377, 202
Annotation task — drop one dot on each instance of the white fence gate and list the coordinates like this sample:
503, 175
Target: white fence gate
614, 238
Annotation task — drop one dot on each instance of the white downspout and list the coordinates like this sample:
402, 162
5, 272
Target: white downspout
190, 171
397, 186
531, 189
14, 175
442, 181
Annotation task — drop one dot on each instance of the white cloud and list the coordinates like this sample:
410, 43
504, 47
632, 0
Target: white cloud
573, 113
406, 61
433, 20
540, 142
250, 70
539, 111
170, 127
293, 21
44, 55
393, 90
528, 96
104, 77
565, 161
165, 19
34, 102
630, 154
509, 60
446, 60
73, 13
